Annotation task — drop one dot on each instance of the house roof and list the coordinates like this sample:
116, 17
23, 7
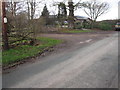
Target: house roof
52, 16
81, 17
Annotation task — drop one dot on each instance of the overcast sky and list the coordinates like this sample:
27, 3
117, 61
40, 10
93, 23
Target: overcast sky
112, 13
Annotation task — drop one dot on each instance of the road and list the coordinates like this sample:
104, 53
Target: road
92, 66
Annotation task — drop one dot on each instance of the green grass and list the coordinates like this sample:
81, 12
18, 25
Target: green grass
76, 31
25, 51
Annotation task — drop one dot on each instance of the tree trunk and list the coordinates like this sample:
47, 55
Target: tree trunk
71, 15
92, 24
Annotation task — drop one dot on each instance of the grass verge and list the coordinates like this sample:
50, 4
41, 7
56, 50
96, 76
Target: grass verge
26, 51
75, 31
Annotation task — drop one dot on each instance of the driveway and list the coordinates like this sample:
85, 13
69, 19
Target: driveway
90, 62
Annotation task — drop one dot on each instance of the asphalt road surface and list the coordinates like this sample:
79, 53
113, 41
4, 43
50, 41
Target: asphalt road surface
92, 66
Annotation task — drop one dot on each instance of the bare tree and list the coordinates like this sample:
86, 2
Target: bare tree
13, 7
95, 9
18, 22
32, 7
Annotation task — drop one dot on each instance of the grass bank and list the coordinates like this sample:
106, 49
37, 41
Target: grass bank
66, 30
26, 51
76, 31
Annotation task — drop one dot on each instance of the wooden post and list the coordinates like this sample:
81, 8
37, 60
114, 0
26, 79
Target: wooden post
4, 27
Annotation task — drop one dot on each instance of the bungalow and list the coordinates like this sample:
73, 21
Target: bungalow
78, 21
81, 20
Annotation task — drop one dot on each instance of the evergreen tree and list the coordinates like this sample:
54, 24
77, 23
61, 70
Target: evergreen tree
45, 15
62, 13
71, 14
45, 12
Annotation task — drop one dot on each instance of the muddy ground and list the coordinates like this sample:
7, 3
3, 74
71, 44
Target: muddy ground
71, 40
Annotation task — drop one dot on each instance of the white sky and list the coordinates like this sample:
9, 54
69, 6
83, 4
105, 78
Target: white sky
111, 14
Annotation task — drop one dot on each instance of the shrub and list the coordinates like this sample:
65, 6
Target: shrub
87, 26
78, 26
105, 25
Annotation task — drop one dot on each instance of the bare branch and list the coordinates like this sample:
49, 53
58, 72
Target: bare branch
95, 9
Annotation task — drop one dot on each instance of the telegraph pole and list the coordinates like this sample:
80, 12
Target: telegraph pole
4, 27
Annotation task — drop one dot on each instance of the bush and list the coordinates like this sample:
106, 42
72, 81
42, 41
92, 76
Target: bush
104, 25
87, 26
78, 26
